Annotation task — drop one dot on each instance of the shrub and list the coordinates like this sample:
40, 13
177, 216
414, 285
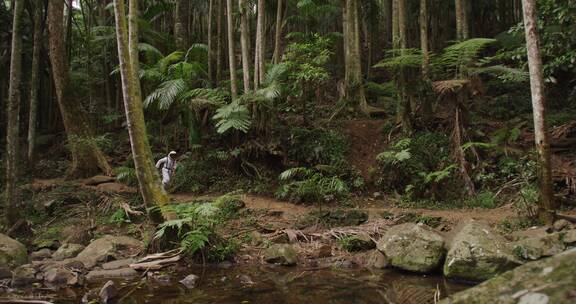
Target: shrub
418, 167
304, 185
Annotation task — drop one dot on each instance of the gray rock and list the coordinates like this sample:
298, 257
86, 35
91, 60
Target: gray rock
477, 253
108, 247
111, 274
549, 280
282, 254
25, 275
41, 254
413, 247
62, 276
537, 247
67, 251
12, 252
569, 237
108, 293
561, 225
190, 281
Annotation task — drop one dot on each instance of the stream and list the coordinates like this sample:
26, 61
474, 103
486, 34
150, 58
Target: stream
267, 284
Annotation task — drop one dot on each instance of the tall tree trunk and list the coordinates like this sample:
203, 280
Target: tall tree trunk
181, 24
148, 179
34, 80
245, 44
231, 52
260, 51
546, 208
278, 34
395, 25
424, 45
87, 157
404, 108
219, 41
12, 130
462, 25
353, 82
211, 42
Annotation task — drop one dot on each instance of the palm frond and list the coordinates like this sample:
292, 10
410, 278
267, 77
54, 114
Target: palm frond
166, 93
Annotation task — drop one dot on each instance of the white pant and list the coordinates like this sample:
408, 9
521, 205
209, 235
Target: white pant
165, 177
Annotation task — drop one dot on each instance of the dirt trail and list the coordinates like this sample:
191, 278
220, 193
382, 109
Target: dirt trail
366, 142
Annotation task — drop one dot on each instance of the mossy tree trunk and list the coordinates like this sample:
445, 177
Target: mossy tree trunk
13, 109
462, 24
87, 157
127, 39
546, 208
181, 24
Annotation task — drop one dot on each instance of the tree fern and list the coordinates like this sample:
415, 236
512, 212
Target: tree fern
166, 93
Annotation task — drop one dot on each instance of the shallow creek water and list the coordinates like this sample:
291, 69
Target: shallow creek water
265, 284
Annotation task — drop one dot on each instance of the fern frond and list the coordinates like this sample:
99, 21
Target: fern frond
166, 93
233, 116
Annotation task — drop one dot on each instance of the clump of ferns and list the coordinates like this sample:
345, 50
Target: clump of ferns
312, 185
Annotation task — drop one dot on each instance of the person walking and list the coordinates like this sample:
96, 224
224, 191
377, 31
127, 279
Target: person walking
167, 165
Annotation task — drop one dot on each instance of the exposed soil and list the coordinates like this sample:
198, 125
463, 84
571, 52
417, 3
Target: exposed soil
366, 142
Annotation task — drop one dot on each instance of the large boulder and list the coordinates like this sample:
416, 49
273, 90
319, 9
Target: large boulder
12, 252
413, 247
535, 248
478, 253
546, 281
67, 251
109, 248
282, 254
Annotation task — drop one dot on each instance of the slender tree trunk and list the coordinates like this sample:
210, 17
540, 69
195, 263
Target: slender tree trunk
462, 25
12, 130
278, 34
547, 208
211, 42
219, 41
395, 25
181, 24
87, 157
245, 44
260, 49
148, 179
424, 45
34, 80
404, 108
231, 52
353, 82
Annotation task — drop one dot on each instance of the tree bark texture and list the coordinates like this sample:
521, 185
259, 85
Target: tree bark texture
34, 80
277, 57
148, 178
13, 108
181, 24
546, 208
231, 52
87, 157
245, 44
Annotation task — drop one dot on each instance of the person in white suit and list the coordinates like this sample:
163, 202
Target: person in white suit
167, 165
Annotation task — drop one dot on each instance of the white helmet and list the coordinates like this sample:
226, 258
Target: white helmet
172, 153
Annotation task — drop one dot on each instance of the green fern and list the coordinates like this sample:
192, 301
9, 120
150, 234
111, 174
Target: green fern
126, 175
233, 116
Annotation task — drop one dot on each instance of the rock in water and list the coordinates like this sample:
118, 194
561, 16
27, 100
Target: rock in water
282, 254
62, 276
67, 251
413, 247
12, 252
550, 280
108, 293
24, 275
190, 281
477, 253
